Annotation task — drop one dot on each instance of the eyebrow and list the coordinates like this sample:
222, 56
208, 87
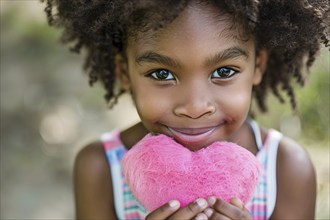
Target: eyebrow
152, 57
230, 53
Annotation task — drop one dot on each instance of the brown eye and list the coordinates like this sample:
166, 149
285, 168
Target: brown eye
162, 74
223, 73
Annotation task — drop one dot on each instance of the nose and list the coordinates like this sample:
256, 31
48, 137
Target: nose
195, 103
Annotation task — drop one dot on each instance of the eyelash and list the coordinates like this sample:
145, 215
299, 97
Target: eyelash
166, 75
157, 75
224, 70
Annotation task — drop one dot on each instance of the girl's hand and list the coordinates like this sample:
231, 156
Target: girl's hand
172, 210
220, 209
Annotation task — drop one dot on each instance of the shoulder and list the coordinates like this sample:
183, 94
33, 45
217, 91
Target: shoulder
296, 182
293, 159
91, 166
91, 160
93, 184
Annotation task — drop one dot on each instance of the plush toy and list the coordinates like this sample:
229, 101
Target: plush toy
158, 169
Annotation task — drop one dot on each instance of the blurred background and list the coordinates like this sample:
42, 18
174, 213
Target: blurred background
48, 112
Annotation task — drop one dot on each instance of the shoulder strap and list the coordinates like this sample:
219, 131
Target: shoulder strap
269, 150
271, 144
256, 131
114, 150
111, 140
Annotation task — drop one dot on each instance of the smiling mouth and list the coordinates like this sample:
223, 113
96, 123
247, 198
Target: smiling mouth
192, 136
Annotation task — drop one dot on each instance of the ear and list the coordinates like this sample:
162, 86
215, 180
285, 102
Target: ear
121, 71
260, 66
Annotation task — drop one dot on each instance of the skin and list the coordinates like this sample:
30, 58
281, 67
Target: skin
195, 52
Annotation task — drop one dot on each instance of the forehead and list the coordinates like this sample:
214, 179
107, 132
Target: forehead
196, 24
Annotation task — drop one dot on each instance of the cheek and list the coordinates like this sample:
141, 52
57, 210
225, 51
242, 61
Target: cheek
151, 104
237, 103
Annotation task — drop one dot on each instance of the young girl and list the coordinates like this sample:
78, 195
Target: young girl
192, 68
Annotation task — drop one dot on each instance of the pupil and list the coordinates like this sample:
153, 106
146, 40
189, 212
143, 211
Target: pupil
162, 74
224, 71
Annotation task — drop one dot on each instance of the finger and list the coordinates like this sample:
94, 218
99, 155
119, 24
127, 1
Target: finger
201, 216
227, 209
208, 212
237, 202
190, 211
164, 211
218, 216
211, 214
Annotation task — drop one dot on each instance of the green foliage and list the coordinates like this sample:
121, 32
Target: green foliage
314, 106
313, 110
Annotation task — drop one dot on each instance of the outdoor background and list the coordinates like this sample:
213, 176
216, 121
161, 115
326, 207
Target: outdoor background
48, 112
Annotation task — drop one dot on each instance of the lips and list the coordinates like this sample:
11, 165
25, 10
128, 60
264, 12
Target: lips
192, 138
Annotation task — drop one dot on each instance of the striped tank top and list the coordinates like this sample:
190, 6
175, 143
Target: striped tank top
261, 205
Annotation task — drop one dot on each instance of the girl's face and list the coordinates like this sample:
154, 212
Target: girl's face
192, 80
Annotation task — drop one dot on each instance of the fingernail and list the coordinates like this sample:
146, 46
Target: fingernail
208, 212
212, 200
201, 216
201, 202
174, 203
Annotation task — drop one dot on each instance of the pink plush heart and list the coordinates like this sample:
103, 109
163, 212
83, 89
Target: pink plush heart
158, 169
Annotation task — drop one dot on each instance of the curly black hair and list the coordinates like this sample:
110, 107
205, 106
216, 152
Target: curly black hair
293, 31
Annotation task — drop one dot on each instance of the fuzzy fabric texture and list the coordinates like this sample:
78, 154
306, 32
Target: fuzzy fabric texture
158, 170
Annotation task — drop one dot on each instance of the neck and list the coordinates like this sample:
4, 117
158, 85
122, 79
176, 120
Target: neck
245, 137
133, 134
